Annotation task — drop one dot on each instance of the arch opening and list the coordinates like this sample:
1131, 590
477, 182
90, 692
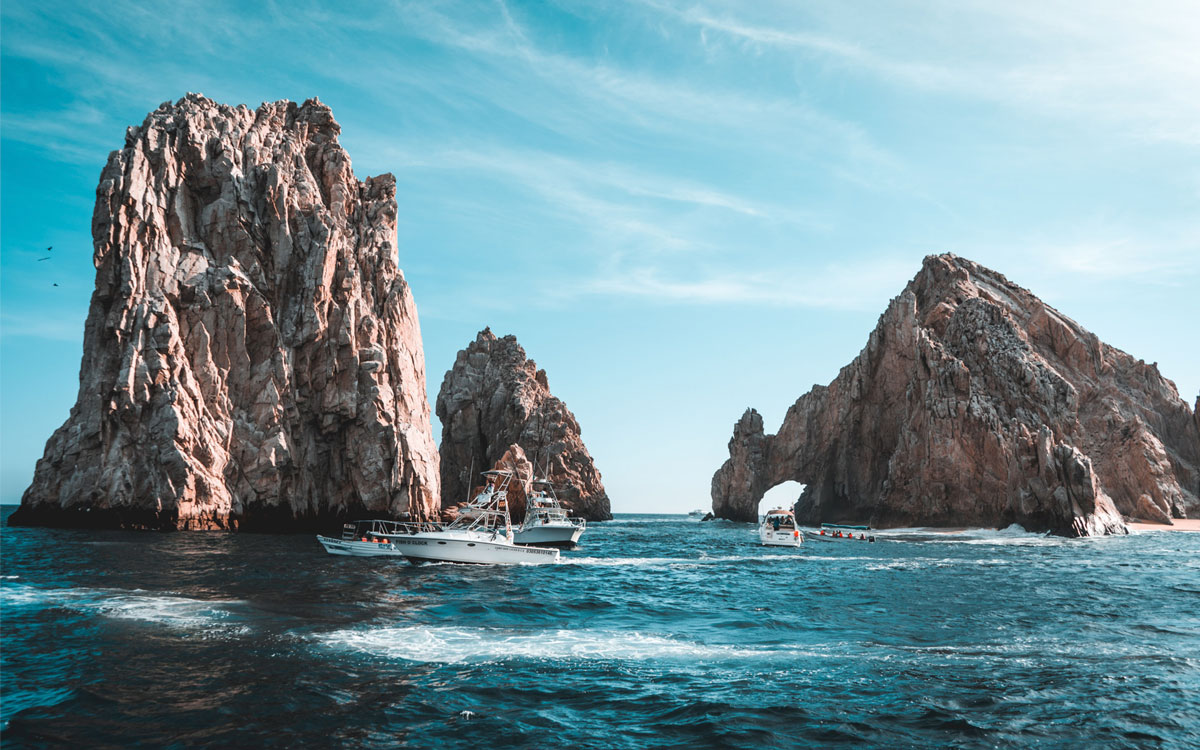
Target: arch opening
782, 495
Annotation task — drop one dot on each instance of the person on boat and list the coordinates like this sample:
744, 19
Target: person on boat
775, 522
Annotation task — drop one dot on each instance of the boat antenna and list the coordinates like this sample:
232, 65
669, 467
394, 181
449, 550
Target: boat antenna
469, 475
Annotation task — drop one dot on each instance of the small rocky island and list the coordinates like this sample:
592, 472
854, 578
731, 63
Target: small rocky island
976, 404
495, 402
251, 357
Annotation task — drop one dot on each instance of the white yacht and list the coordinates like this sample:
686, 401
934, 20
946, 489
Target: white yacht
546, 521
697, 513
778, 529
482, 533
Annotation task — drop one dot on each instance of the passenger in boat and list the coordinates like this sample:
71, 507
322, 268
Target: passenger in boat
775, 522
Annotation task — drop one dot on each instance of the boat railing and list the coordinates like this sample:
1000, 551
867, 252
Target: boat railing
383, 528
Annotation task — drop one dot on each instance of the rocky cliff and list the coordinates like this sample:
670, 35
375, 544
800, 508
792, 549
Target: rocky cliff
252, 356
495, 397
974, 403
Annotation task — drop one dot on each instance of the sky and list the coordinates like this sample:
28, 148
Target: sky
681, 209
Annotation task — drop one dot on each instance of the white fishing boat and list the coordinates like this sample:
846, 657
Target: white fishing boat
482, 533
840, 532
546, 521
697, 513
372, 538
778, 529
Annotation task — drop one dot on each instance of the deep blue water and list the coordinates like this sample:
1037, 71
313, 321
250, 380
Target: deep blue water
659, 631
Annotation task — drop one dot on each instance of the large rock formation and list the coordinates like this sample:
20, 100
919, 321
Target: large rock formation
251, 355
494, 397
974, 403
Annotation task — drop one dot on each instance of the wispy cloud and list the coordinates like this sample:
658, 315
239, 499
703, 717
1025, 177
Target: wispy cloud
853, 285
1133, 65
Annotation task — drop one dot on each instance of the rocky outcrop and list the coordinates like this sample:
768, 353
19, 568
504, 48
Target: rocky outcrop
495, 397
252, 356
974, 403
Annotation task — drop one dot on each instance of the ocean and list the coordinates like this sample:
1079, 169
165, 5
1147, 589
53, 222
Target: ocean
656, 632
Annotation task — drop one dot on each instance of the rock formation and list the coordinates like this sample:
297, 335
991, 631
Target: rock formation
493, 398
974, 403
252, 357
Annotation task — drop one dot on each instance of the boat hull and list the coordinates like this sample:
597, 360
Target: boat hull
782, 538
817, 536
354, 548
476, 549
548, 534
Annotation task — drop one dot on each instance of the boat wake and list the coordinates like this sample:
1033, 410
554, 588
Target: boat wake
452, 645
676, 561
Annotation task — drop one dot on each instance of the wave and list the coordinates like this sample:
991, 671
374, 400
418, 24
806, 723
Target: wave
178, 612
640, 521
451, 645
677, 561
918, 563
1013, 535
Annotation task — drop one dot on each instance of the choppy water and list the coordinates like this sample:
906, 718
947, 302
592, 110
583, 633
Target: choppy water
657, 632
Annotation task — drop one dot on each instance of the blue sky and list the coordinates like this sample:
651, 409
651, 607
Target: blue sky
680, 209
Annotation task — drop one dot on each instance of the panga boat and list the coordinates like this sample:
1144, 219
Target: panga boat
778, 529
546, 521
840, 532
482, 533
372, 538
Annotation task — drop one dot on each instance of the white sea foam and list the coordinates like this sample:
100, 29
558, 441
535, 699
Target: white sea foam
178, 612
638, 521
173, 611
1013, 535
679, 561
918, 563
458, 644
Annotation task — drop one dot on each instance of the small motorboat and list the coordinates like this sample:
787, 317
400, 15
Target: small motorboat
546, 521
372, 538
481, 534
778, 529
840, 532
697, 513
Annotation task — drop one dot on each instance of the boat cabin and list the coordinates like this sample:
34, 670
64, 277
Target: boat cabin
779, 519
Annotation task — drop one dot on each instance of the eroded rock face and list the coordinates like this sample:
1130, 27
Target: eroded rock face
495, 397
974, 403
252, 355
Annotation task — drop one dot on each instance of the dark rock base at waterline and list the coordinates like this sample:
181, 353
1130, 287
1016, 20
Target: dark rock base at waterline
258, 520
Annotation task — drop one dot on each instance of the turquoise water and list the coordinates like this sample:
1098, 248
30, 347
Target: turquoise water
658, 631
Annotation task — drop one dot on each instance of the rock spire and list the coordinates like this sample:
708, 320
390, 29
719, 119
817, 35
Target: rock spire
494, 398
252, 356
